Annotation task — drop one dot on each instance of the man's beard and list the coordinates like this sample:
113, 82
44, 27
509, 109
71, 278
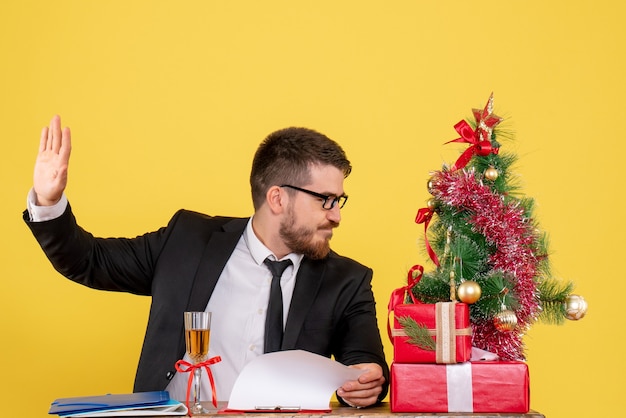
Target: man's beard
300, 240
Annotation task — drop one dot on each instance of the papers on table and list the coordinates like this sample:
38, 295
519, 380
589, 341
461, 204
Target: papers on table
293, 380
288, 381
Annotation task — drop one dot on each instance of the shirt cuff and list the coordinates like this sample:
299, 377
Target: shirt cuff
44, 213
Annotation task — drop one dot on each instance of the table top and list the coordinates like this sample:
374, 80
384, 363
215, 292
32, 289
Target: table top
339, 411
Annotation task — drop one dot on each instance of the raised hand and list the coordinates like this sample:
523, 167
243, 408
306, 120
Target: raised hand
50, 177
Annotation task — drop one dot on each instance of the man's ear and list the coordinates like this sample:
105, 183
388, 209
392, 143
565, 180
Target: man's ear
277, 199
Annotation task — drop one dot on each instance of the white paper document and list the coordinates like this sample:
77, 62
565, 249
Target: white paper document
289, 380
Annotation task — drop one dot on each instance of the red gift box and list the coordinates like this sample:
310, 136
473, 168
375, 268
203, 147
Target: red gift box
483, 386
447, 322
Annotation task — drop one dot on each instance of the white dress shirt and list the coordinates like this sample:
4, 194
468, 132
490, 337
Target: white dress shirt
238, 307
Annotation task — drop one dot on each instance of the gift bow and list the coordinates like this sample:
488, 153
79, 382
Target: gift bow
424, 216
480, 145
183, 366
398, 295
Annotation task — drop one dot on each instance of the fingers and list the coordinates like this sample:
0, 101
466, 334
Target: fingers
66, 144
364, 391
371, 372
56, 140
355, 386
361, 398
54, 134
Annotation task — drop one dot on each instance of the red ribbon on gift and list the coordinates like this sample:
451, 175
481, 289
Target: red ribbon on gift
424, 216
183, 366
480, 145
398, 296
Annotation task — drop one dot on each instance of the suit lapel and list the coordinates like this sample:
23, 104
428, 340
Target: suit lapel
216, 253
308, 281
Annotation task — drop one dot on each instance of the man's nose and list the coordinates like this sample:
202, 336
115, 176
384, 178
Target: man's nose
334, 214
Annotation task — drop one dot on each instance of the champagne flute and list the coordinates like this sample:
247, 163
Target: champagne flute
197, 335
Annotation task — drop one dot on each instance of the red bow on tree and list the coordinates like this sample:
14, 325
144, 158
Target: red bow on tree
480, 139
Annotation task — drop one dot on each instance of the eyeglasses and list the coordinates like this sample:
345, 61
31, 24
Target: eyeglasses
329, 201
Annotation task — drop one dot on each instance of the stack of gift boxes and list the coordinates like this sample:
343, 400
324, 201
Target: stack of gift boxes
445, 378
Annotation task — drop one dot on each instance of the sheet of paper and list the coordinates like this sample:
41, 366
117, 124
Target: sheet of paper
289, 379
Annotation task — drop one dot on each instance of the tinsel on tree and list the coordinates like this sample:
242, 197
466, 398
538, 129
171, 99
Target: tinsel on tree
487, 247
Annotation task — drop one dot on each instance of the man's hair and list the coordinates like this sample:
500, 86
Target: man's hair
286, 156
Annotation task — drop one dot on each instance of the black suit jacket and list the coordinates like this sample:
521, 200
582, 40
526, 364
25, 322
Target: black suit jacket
332, 312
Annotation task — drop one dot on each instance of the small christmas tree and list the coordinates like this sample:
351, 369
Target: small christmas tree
487, 247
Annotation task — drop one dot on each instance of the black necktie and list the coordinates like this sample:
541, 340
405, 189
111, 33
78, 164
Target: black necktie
274, 319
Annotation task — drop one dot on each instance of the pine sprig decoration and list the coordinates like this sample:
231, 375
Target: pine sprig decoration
552, 296
418, 334
433, 287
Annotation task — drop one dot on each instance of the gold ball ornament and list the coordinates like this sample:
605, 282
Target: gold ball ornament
491, 173
575, 307
430, 184
431, 203
469, 292
505, 320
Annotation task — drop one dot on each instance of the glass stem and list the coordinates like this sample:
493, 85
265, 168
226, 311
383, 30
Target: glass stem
197, 374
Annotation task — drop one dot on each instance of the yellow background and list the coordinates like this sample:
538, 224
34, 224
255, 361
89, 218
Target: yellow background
168, 100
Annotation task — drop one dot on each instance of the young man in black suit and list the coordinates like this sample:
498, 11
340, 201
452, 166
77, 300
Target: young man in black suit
199, 262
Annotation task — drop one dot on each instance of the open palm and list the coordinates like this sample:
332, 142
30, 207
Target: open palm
50, 177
